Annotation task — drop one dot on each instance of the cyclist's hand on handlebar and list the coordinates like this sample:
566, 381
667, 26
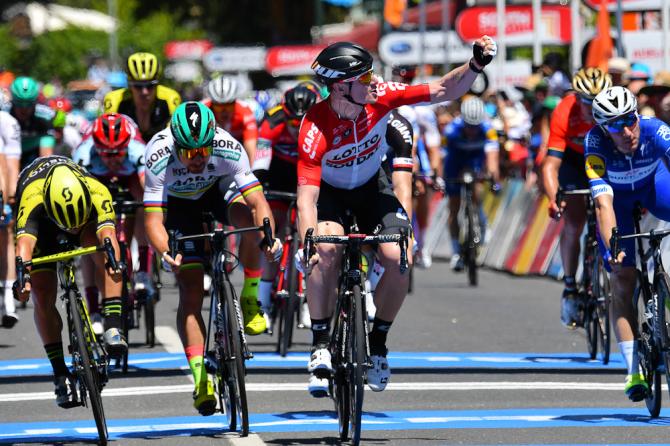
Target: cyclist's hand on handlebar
555, 211
274, 254
171, 264
22, 293
305, 267
615, 262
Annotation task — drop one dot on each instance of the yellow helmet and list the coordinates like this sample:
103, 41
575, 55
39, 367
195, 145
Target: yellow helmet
143, 67
588, 82
67, 199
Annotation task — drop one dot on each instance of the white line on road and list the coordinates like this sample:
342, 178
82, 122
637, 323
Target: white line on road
302, 387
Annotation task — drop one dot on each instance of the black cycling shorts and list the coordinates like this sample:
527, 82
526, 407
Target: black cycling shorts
186, 217
281, 177
572, 177
373, 204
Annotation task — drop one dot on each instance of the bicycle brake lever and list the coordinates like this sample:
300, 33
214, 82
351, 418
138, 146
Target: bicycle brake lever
172, 243
267, 234
308, 249
614, 242
111, 255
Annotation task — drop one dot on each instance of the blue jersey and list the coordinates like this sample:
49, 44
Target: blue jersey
85, 155
484, 140
609, 170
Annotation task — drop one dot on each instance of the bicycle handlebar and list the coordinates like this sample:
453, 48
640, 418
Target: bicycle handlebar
173, 239
560, 194
280, 195
311, 240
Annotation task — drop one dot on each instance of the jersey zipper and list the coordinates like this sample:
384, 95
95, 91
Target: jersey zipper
630, 163
354, 171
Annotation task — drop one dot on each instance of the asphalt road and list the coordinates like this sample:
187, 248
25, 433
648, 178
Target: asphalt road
486, 365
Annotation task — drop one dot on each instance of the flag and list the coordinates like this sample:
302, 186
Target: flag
394, 12
600, 50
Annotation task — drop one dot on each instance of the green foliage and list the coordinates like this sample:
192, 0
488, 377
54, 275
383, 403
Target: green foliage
9, 49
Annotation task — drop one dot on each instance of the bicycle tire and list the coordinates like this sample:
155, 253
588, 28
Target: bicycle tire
591, 325
471, 247
126, 308
290, 306
663, 293
603, 309
358, 363
150, 307
235, 366
340, 352
648, 357
86, 373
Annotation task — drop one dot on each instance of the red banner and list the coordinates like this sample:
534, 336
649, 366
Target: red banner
473, 23
290, 60
187, 49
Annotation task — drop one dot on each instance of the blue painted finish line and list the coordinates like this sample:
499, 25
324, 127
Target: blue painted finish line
326, 421
398, 361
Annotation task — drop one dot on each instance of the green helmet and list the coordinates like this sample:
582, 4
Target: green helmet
24, 90
193, 125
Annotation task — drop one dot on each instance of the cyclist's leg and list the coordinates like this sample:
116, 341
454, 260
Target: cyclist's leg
422, 195
571, 178
142, 278
87, 268
454, 164
7, 275
111, 292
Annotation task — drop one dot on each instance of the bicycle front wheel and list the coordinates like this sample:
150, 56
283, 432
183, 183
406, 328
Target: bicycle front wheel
663, 293
648, 355
359, 363
601, 291
237, 410
290, 305
340, 352
471, 246
85, 366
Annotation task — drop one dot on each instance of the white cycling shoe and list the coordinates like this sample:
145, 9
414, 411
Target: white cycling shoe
379, 374
320, 368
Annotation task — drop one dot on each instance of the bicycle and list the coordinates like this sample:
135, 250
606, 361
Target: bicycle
650, 300
349, 339
594, 286
471, 231
289, 293
89, 358
226, 327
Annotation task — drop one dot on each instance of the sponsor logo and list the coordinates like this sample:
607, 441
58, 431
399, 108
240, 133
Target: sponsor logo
401, 214
308, 141
157, 155
401, 48
633, 175
337, 140
592, 140
326, 72
664, 132
595, 167
227, 144
302, 181
403, 130
179, 172
390, 86
601, 189
358, 154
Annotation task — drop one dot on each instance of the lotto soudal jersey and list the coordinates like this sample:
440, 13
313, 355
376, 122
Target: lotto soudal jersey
609, 170
347, 153
165, 175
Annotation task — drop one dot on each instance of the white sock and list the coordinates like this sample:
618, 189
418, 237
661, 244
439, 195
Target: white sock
264, 292
629, 351
10, 305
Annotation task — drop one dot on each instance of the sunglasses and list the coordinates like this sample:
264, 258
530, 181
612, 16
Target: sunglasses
223, 107
189, 154
617, 125
142, 85
365, 78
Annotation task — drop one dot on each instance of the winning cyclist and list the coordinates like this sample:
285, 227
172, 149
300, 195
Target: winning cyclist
626, 162
114, 151
58, 199
185, 165
147, 103
10, 156
275, 166
570, 122
471, 143
340, 149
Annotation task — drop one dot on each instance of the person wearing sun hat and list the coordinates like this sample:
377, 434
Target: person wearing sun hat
618, 69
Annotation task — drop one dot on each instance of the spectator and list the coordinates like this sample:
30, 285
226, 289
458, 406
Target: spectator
618, 69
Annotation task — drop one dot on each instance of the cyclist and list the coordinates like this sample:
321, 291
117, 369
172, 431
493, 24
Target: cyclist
626, 162
472, 144
147, 102
237, 119
34, 119
113, 151
59, 200
275, 166
570, 122
10, 156
340, 150
185, 165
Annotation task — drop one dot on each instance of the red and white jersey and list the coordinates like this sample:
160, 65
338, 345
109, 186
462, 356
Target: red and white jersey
347, 153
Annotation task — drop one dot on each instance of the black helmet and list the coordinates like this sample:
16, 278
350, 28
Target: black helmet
341, 61
298, 100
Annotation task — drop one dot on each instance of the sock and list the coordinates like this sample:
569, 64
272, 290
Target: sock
455, 247
265, 293
56, 358
251, 279
377, 336
570, 283
92, 299
112, 312
196, 362
629, 351
145, 258
10, 306
320, 331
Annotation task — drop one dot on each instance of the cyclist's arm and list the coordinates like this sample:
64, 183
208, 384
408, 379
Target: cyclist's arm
25, 246
259, 208
604, 204
550, 168
402, 188
156, 232
556, 146
308, 195
12, 165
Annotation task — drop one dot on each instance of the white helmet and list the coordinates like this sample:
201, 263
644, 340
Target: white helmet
223, 89
612, 103
472, 111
